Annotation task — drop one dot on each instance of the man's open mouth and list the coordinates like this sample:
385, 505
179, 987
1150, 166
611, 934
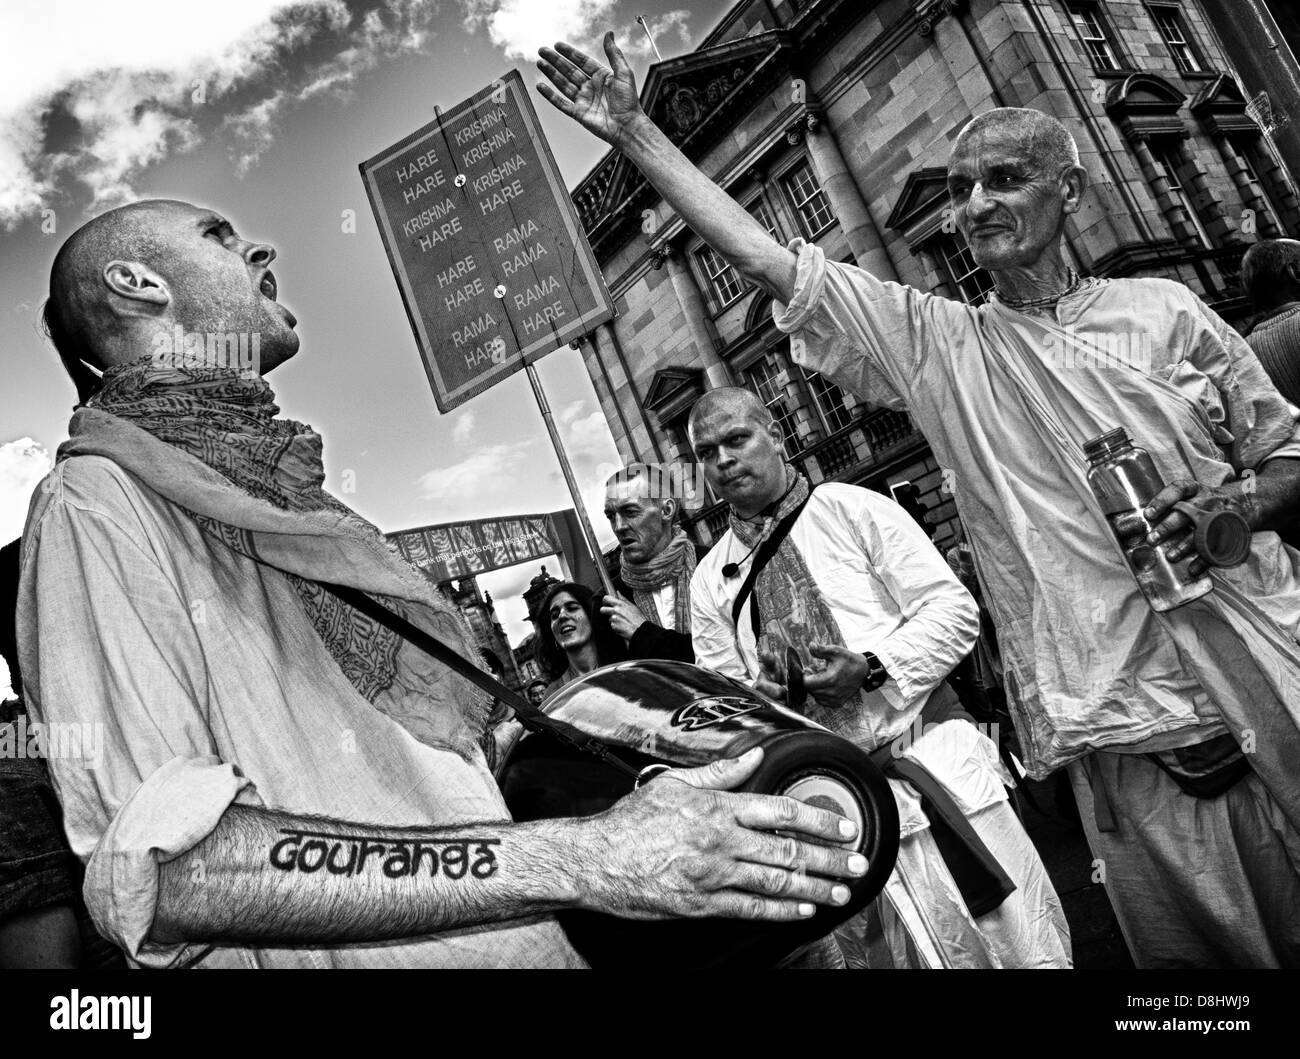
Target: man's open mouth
268, 286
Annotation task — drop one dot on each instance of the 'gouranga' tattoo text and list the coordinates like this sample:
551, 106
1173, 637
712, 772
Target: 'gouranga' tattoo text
312, 851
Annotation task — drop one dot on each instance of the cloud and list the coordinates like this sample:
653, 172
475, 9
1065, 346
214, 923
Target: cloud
23, 463
87, 110
594, 458
464, 429
520, 27
480, 485
400, 27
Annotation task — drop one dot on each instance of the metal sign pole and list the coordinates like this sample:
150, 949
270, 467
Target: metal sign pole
578, 506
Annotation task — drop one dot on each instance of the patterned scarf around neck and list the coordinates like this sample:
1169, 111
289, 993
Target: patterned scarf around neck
791, 606
672, 566
277, 513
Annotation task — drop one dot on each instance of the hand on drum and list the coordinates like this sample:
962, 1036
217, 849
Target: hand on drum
683, 845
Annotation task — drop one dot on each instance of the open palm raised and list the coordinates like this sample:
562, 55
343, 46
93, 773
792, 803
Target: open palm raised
601, 99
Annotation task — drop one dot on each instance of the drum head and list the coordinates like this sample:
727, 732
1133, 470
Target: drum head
829, 792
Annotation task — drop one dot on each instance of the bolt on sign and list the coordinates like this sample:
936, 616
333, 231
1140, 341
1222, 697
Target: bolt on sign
493, 265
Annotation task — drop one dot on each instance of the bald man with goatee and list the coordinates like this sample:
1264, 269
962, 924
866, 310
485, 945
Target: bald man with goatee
1180, 729
284, 781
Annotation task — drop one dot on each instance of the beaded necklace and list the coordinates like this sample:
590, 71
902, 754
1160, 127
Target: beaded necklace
1072, 283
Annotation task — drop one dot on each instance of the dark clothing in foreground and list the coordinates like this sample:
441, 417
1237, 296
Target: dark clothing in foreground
654, 641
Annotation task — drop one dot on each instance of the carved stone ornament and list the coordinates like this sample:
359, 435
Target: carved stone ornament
928, 12
685, 105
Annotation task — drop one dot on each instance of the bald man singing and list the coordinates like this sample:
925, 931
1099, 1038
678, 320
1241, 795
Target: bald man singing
1180, 729
279, 780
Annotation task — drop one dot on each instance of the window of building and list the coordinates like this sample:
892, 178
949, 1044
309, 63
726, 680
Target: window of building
723, 280
722, 277
808, 199
1170, 163
1169, 20
953, 256
759, 211
1091, 28
767, 379
833, 406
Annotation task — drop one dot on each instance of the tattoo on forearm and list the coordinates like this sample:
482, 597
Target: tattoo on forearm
312, 851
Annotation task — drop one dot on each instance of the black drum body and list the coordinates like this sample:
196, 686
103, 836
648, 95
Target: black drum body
673, 713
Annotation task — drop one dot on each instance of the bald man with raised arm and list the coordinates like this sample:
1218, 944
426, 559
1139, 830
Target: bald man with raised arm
1180, 730
282, 781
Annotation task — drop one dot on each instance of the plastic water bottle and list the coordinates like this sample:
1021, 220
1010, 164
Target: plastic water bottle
1124, 479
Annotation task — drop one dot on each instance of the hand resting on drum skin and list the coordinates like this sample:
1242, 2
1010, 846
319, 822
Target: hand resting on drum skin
682, 845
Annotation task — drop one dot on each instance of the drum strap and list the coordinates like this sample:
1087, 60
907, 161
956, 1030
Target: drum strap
528, 715
982, 881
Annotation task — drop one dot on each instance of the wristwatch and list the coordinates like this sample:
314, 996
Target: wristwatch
876, 674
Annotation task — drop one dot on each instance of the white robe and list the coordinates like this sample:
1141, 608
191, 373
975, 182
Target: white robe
892, 593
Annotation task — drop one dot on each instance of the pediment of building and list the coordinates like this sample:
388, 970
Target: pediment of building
1221, 107
924, 190
673, 390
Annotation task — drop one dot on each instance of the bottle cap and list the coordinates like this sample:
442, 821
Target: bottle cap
1222, 537
1104, 443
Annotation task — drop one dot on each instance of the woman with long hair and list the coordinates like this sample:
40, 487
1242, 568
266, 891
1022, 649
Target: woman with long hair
573, 637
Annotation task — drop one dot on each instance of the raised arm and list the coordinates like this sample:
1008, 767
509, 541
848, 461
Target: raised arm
678, 847
604, 101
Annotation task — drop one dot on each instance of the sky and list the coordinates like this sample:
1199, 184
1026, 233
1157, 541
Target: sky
263, 110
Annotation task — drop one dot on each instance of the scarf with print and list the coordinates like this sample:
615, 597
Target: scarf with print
672, 566
791, 605
208, 440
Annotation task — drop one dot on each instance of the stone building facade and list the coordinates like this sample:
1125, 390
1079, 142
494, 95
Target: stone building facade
480, 611
831, 120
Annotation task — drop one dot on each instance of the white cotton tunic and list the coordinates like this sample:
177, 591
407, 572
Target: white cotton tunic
212, 688
888, 588
1006, 401
892, 593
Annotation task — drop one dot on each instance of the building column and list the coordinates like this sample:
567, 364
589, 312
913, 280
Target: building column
1267, 226
846, 201
1202, 192
604, 387
608, 350
716, 373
